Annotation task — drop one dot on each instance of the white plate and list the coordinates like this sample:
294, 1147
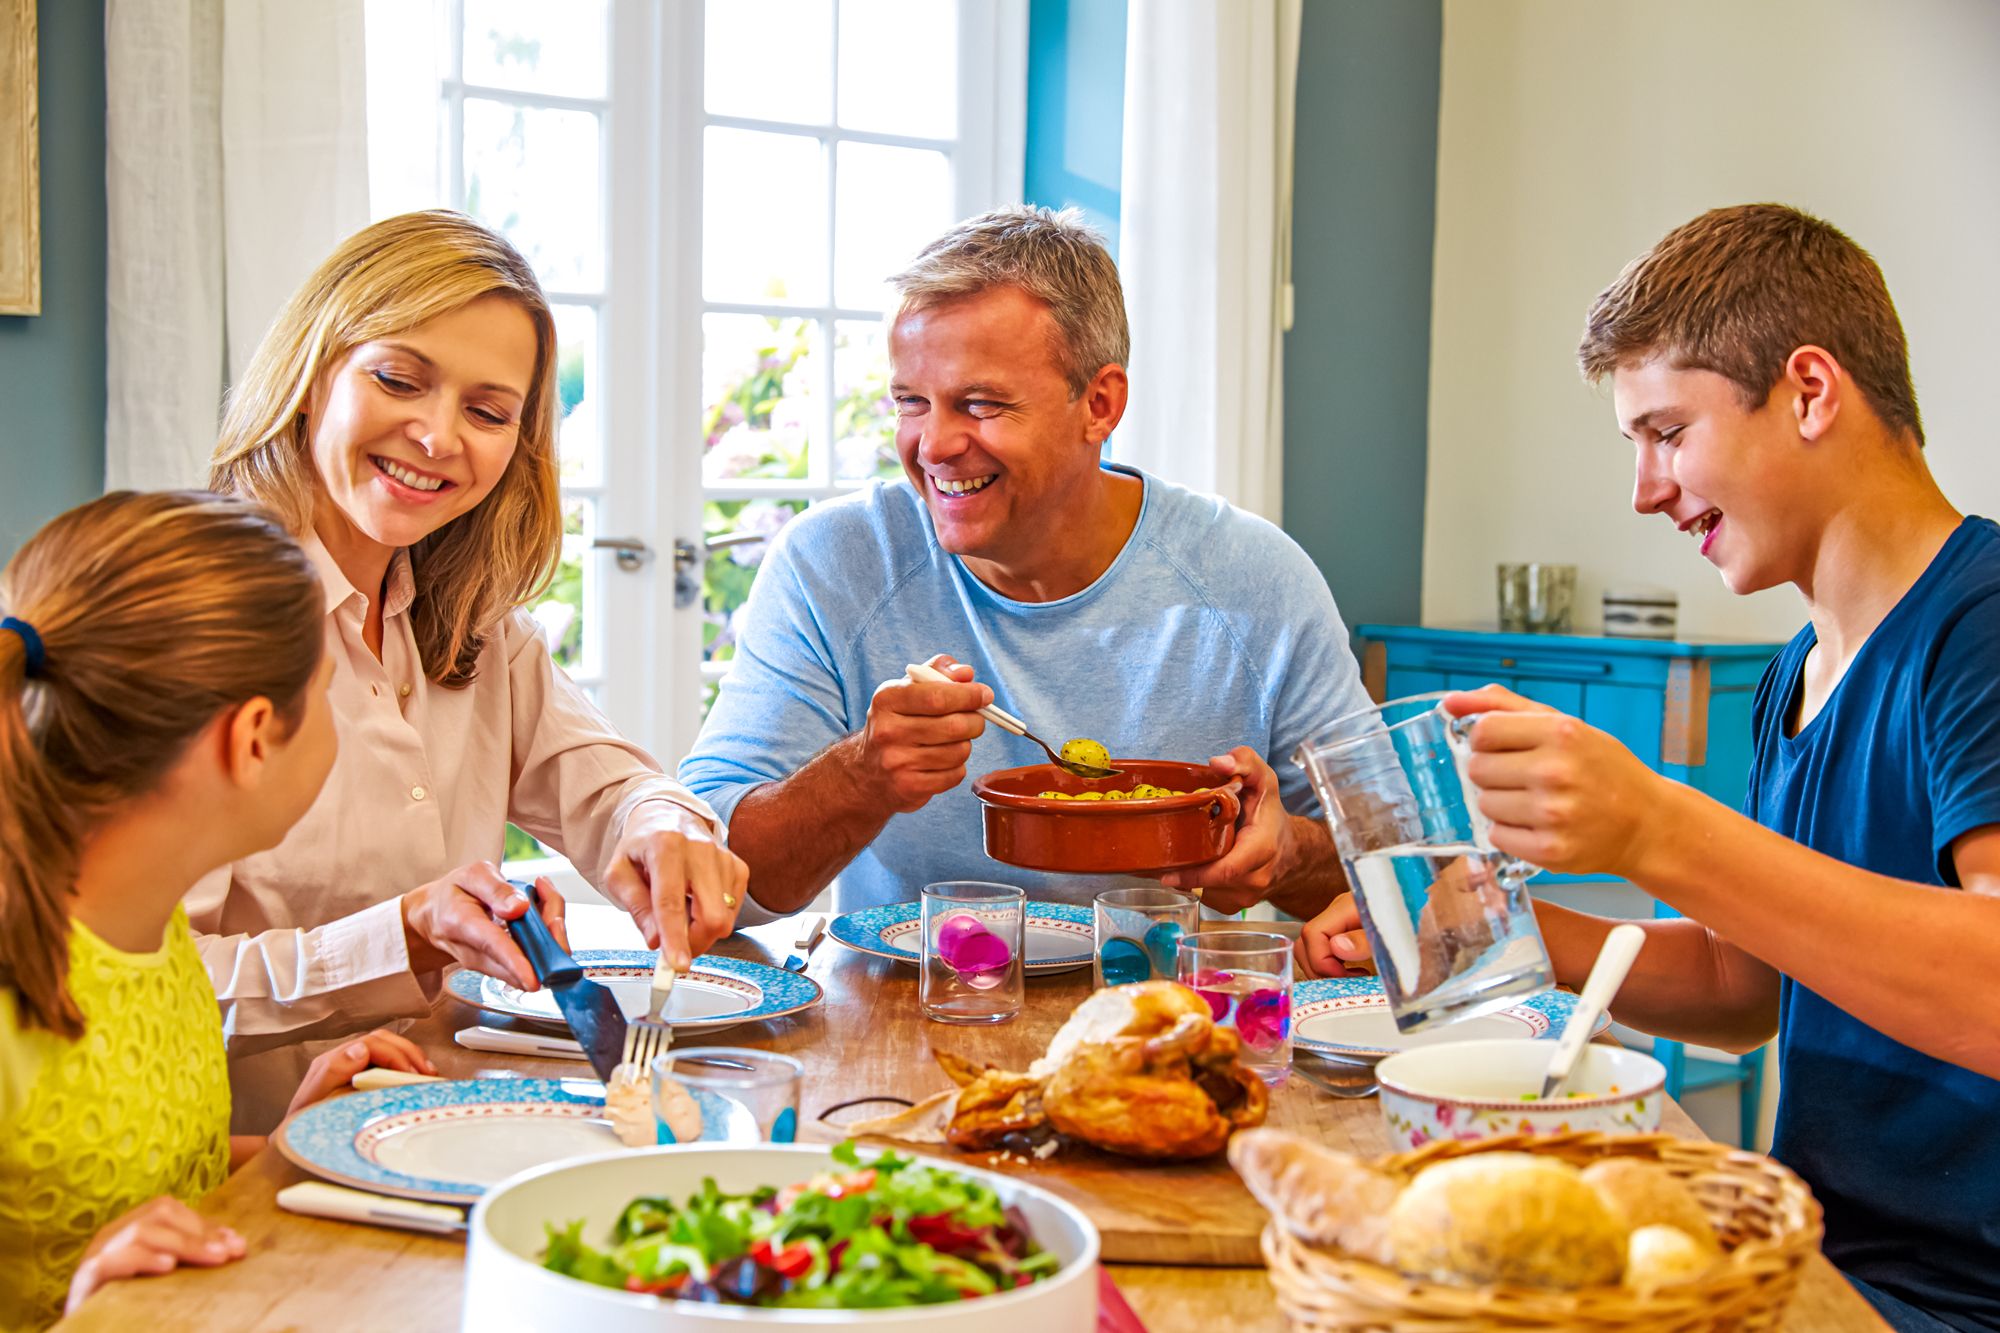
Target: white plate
1059, 937
446, 1141
1347, 1018
717, 993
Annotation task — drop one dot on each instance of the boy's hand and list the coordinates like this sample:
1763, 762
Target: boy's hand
1562, 795
336, 1068
156, 1237
1332, 943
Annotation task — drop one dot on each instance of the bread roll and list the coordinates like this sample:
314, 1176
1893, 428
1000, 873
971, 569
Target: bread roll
1512, 1218
1319, 1195
1646, 1194
1660, 1256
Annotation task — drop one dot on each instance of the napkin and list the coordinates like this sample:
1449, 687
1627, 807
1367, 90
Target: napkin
317, 1199
1113, 1314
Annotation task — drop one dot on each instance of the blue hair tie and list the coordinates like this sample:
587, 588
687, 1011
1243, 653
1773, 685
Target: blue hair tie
38, 656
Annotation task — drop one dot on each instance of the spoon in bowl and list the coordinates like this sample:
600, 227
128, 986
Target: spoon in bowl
1607, 974
1006, 721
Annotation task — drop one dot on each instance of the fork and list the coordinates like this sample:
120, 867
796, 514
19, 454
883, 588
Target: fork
649, 1038
1006, 721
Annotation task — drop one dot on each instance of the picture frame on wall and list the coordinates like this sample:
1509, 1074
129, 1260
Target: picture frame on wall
20, 163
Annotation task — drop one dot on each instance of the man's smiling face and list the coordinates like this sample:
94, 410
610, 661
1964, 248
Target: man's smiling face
1725, 475
987, 428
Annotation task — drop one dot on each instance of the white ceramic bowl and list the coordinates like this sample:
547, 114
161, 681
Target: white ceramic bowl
507, 1289
1474, 1090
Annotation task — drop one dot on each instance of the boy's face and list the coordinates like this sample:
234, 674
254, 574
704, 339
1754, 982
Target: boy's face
1730, 478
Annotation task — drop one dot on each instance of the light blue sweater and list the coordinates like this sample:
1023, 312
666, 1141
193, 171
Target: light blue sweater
1211, 629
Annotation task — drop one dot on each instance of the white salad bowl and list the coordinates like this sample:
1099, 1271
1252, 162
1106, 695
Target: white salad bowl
507, 1289
1479, 1089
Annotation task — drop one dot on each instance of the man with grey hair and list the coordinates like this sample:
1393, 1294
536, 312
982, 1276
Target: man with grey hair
1090, 599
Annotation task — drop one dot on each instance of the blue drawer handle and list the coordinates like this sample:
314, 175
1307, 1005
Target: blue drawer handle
1524, 666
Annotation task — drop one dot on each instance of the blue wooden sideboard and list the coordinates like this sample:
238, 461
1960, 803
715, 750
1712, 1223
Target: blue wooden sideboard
1681, 705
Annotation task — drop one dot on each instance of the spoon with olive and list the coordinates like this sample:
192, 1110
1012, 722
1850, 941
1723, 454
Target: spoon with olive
1006, 721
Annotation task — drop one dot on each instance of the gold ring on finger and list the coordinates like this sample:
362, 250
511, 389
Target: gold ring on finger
729, 900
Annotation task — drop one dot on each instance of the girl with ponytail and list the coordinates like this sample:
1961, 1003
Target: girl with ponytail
162, 712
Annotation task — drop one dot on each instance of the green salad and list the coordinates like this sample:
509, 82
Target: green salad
890, 1233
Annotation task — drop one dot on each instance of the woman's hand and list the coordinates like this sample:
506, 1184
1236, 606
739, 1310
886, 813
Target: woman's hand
452, 920
672, 873
156, 1237
1562, 795
1332, 943
336, 1068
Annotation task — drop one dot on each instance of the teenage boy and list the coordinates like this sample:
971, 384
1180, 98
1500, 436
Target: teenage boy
1758, 366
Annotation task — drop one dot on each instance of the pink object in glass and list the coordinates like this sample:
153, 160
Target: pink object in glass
968, 946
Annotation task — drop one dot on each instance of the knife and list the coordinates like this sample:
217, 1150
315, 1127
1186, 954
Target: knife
811, 931
592, 1011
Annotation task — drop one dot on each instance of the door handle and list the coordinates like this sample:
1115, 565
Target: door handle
632, 553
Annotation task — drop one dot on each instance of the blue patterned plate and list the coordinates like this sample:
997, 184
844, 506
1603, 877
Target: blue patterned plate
1348, 1018
1059, 934
717, 993
447, 1142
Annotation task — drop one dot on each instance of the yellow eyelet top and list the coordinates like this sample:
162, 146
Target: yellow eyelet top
136, 1107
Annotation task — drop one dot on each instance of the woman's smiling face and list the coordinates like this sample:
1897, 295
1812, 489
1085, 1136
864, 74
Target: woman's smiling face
411, 431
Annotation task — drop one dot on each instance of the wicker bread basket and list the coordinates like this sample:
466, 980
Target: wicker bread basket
1767, 1219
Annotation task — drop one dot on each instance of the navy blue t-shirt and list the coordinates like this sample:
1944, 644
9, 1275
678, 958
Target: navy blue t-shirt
1903, 1150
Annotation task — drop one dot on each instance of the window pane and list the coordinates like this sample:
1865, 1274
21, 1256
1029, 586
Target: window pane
763, 213
760, 387
534, 46
892, 203
533, 175
579, 430
769, 59
727, 576
563, 611
899, 67
864, 423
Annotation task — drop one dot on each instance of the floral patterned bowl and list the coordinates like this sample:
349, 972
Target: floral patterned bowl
1478, 1089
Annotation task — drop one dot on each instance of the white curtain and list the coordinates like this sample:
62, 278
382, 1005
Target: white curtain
236, 159
1204, 242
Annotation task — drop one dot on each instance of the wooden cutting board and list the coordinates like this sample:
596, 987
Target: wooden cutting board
876, 1042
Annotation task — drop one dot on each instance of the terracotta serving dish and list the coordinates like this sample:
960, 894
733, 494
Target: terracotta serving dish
1108, 837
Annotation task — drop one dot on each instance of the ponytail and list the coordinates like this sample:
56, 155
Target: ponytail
151, 615
38, 845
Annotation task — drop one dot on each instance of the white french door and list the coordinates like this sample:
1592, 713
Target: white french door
712, 194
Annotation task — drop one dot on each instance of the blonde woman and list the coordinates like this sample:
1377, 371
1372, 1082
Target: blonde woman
400, 417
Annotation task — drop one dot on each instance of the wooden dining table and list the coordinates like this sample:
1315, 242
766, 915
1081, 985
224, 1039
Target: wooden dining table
865, 1039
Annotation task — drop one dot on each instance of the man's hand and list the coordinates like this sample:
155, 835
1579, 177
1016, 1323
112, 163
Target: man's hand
1562, 795
1332, 944
1264, 851
919, 735
335, 1069
452, 920
681, 885
156, 1237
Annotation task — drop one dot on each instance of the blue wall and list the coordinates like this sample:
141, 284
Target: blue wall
1076, 108
1357, 361
52, 364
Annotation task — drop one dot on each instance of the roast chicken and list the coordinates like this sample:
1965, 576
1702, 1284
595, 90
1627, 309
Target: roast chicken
1141, 1070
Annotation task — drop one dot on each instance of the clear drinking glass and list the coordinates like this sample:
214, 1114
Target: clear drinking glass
1137, 931
974, 938
742, 1095
1246, 977
1449, 918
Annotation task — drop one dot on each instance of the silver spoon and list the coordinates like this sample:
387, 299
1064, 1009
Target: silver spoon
1006, 721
